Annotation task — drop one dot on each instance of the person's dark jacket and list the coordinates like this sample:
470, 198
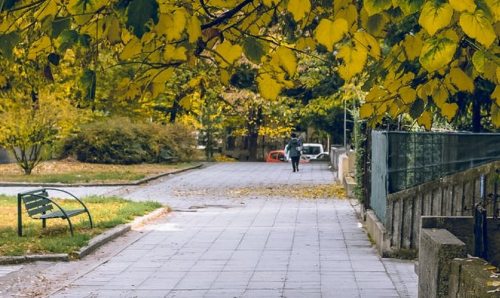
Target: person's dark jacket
294, 147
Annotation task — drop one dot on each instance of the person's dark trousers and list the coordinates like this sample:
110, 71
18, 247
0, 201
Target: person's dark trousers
295, 163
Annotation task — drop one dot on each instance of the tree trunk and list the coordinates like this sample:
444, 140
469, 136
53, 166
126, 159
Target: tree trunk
476, 115
252, 146
174, 110
253, 133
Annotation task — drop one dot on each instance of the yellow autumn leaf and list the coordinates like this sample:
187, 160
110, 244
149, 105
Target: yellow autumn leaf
354, 59
440, 95
368, 42
375, 94
412, 46
299, 8
269, 88
478, 26
305, 43
435, 16
194, 29
452, 89
408, 6
496, 95
437, 52
328, 33
375, 24
3, 81
172, 25
495, 115
463, 5
393, 109
156, 89
186, 102
461, 80
171, 53
425, 120
494, 6
228, 53
350, 14
340, 4
40, 46
449, 110
224, 76
163, 75
408, 95
132, 49
49, 8
285, 58
113, 29
270, 3
366, 111
427, 89
376, 6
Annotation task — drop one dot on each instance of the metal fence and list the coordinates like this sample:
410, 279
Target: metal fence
401, 160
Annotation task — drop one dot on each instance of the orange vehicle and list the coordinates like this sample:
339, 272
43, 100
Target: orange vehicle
276, 156
280, 156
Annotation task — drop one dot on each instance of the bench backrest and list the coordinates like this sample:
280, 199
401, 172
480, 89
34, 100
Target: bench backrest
36, 204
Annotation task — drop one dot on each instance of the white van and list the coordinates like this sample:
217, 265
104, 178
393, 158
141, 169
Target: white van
312, 150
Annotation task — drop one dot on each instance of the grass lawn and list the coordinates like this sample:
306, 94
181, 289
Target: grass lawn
77, 172
56, 238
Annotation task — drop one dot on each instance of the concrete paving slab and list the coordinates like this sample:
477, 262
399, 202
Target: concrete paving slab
256, 247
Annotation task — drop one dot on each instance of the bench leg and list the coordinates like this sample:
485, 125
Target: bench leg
70, 226
90, 220
44, 223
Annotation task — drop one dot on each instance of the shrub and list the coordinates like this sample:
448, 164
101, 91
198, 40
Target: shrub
121, 141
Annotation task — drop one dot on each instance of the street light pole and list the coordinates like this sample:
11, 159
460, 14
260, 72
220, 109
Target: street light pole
345, 124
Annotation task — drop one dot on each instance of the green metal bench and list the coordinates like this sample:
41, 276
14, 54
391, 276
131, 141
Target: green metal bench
39, 205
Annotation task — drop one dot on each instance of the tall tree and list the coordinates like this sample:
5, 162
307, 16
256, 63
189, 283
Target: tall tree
446, 47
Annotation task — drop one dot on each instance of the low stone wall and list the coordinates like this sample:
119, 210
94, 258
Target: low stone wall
473, 278
438, 247
462, 227
444, 270
377, 233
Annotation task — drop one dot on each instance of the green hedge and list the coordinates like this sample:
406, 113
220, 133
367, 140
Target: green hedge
122, 141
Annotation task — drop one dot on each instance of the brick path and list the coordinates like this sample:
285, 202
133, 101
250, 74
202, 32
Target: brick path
253, 247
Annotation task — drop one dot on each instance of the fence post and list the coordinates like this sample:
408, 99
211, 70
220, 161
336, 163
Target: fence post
480, 224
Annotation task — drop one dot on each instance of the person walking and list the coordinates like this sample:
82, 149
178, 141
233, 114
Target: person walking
293, 149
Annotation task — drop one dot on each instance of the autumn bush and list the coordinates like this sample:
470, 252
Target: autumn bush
123, 141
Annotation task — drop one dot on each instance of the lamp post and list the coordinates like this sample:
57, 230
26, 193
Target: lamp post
345, 124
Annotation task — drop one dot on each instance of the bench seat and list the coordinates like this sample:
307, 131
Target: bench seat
59, 214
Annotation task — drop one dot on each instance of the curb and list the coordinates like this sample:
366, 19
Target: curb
138, 182
32, 258
93, 244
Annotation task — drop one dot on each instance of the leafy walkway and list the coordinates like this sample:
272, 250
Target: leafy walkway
246, 246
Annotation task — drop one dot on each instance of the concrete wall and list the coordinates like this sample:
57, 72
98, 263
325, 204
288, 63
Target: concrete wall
335, 152
463, 228
438, 247
473, 278
450, 196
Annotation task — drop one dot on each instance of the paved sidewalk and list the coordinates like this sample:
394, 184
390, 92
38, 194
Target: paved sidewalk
245, 247
266, 248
